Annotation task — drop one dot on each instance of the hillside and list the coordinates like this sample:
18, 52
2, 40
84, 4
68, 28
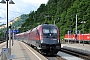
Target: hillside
63, 12
19, 21
16, 23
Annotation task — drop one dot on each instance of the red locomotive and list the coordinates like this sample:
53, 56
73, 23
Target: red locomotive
45, 37
78, 37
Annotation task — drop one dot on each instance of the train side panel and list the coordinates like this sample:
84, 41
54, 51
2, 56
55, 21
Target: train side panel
34, 38
85, 37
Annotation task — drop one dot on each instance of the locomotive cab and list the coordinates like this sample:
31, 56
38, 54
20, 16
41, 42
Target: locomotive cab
50, 35
50, 43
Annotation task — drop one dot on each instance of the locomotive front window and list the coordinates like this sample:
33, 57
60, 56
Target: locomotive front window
53, 30
45, 30
50, 30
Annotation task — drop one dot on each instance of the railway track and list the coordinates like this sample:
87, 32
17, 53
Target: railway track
54, 57
77, 54
50, 57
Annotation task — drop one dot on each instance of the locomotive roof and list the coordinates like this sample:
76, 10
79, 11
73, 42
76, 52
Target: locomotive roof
48, 25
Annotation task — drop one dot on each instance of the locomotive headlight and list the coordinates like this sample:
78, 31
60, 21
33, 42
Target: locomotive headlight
58, 41
41, 41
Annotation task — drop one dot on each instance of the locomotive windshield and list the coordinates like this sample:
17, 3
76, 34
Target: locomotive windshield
49, 30
50, 34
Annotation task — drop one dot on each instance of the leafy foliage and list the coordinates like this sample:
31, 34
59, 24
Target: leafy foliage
63, 12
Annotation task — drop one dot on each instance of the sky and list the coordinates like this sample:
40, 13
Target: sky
20, 7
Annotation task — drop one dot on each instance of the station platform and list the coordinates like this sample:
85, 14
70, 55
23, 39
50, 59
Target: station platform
83, 48
22, 51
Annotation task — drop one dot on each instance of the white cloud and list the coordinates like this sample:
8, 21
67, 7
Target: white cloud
3, 21
20, 7
36, 1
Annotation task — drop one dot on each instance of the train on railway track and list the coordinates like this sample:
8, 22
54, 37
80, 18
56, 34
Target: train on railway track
78, 37
45, 37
